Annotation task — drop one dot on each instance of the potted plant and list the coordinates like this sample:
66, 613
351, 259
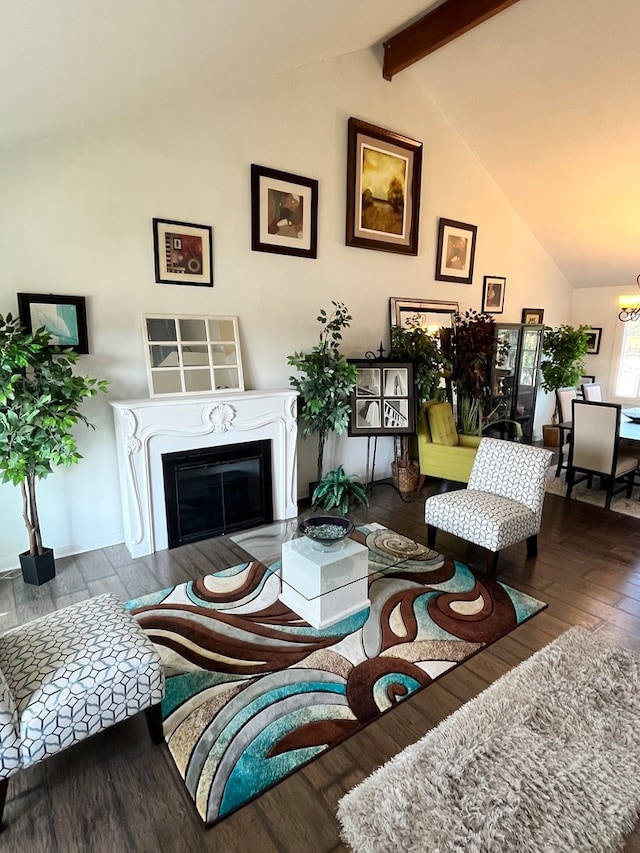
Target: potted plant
563, 351
326, 382
340, 491
39, 404
431, 364
475, 347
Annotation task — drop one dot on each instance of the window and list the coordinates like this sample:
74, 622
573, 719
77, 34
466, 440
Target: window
627, 382
192, 354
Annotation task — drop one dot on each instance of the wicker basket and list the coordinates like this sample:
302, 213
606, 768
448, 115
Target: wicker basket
405, 477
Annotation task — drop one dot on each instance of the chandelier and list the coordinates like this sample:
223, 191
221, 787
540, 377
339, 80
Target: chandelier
630, 306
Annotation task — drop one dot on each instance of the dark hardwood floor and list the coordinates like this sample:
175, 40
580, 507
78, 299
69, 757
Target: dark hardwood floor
117, 792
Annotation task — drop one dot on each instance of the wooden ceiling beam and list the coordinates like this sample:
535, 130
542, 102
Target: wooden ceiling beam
437, 28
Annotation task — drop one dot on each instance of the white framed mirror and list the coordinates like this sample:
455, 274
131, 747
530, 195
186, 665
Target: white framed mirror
192, 354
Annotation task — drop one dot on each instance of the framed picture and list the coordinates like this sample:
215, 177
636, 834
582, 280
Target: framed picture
183, 253
493, 294
456, 251
433, 312
284, 213
532, 316
383, 400
594, 334
383, 189
64, 317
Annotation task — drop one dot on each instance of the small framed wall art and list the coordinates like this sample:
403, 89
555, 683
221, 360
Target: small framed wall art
284, 213
493, 294
532, 316
383, 189
64, 317
382, 402
183, 253
593, 337
456, 251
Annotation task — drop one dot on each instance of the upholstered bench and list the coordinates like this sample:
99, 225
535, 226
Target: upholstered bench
70, 674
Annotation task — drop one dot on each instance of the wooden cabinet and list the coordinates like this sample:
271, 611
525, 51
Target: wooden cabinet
514, 380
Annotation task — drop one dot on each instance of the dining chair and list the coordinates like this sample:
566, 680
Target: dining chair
564, 396
594, 449
592, 392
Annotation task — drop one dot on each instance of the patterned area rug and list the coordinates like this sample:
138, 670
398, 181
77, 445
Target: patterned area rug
254, 692
594, 495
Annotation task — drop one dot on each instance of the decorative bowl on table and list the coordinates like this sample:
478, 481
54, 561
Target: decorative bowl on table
326, 531
632, 414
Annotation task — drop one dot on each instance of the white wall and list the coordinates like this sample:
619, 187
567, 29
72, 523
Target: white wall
77, 213
598, 307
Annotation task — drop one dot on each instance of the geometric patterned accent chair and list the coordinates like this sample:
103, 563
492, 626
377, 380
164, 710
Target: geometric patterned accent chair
69, 675
502, 503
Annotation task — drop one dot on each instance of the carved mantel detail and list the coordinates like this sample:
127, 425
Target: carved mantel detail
146, 429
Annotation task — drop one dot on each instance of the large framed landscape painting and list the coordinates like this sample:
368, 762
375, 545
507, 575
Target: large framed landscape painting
383, 189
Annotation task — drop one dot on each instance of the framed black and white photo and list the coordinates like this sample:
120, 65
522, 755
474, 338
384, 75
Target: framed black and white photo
183, 253
456, 250
383, 400
493, 290
593, 336
63, 317
532, 316
284, 213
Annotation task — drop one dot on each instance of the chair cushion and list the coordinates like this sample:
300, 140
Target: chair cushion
489, 520
77, 671
441, 424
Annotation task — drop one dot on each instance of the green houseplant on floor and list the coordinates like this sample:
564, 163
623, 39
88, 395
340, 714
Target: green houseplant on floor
338, 490
326, 382
39, 405
563, 352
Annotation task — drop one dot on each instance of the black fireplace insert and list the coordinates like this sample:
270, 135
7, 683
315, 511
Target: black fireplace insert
216, 490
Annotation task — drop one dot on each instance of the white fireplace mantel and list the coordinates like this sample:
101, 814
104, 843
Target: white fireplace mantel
148, 428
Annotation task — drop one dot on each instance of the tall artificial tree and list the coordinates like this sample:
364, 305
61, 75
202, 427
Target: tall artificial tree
326, 382
39, 405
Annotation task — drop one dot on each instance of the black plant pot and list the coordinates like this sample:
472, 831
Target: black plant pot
39, 569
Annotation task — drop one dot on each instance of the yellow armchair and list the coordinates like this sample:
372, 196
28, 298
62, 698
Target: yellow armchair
442, 451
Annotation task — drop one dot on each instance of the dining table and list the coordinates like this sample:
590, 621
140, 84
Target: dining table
629, 426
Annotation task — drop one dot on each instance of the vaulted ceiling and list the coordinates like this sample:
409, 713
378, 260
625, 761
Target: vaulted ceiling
545, 93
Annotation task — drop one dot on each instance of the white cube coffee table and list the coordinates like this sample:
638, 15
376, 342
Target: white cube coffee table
324, 586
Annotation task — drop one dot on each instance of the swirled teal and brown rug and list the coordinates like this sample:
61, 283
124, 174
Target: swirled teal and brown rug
254, 692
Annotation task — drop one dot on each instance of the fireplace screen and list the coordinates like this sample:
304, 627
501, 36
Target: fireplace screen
217, 490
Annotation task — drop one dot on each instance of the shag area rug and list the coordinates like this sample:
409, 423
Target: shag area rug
253, 692
594, 495
545, 759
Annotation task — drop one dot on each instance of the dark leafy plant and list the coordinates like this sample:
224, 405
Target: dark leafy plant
326, 382
39, 405
338, 490
563, 351
474, 349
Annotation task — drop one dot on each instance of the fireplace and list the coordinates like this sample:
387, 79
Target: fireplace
217, 490
147, 430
